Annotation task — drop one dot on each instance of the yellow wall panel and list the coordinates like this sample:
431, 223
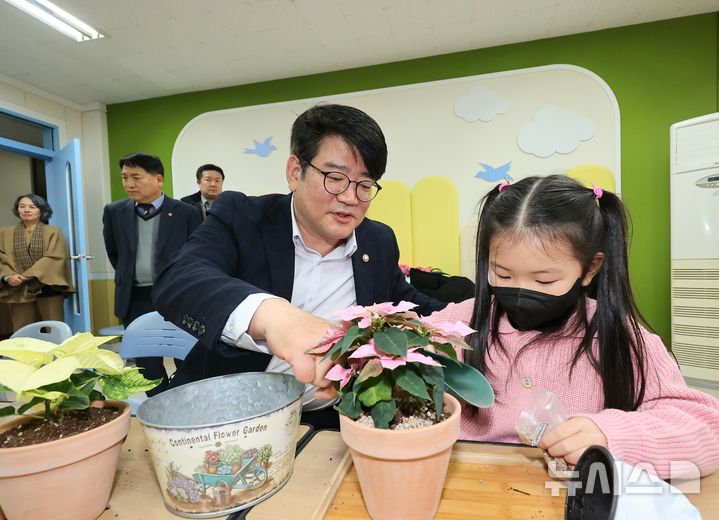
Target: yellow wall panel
393, 207
435, 224
587, 174
102, 304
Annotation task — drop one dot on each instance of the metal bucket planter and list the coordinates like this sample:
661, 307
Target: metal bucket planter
223, 444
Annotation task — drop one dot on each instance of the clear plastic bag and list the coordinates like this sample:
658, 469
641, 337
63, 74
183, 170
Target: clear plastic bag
542, 411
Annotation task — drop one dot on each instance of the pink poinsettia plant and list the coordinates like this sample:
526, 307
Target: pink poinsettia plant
386, 362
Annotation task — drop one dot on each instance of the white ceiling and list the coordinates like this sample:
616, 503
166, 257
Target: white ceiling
162, 47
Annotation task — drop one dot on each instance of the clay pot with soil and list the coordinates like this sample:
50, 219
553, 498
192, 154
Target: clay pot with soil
58, 457
395, 416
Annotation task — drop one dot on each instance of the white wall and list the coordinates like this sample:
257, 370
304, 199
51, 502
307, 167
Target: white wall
534, 121
16, 173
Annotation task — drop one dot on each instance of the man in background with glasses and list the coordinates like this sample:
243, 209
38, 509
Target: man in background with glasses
262, 274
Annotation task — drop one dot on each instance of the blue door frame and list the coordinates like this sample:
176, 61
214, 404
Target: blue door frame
63, 176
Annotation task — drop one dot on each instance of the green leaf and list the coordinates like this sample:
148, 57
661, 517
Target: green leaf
7, 410
122, 386
372, 368
438, 398
383, 413
65, 387
75, 402
33, 402
96, 396
46, 395
88, 387
379, 390
406, 378
349, 406
432, 375
466, 382
447, 349
80, 378
345, 343
416, 340
392, 341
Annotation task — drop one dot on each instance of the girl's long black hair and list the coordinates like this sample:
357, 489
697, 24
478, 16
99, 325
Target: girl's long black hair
557, 209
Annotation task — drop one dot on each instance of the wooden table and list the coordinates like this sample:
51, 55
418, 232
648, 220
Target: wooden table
483, 481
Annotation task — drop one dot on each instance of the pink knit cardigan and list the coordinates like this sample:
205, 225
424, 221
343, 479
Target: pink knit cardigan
674, 423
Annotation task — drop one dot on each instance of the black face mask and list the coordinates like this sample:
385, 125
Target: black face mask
533, 310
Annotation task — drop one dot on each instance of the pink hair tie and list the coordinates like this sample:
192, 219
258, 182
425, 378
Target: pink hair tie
598, 192
503, 185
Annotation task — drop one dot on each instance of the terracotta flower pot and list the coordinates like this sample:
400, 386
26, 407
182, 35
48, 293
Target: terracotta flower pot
68, 478
402, 472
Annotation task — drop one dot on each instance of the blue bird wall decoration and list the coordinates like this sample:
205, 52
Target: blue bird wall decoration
491, 174
262, 149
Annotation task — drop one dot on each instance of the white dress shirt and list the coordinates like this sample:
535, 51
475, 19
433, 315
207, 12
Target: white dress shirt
323, 286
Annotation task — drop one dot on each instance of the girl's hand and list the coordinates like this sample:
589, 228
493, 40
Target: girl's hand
570, 438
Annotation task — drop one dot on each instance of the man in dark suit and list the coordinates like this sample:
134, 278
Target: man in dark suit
141, 234
273, 268
209, 179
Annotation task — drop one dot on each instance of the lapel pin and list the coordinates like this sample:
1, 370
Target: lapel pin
365, 258
169, 214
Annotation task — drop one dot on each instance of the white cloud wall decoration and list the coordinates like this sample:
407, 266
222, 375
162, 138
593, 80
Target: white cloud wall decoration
554, 130
480, 104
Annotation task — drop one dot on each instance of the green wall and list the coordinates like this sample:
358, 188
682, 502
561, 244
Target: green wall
660, 72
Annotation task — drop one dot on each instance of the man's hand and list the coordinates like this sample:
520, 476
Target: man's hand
290, 332
570, 438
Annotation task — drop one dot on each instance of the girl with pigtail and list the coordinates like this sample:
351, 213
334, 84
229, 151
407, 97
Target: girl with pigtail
554, 309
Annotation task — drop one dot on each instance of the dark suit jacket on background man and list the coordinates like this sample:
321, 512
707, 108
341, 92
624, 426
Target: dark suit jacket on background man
177, 222
194, 200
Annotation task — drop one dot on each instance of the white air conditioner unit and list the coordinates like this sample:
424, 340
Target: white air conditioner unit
694, 180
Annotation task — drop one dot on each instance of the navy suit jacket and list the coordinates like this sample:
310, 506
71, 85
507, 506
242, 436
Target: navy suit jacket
195, 200
245, 246
177, 222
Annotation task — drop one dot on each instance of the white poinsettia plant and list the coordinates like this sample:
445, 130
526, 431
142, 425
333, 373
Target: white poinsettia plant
69, 376
386, 362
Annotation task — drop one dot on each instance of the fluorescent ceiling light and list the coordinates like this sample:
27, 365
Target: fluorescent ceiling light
59, 19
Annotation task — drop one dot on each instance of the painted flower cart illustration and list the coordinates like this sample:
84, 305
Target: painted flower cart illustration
249, 474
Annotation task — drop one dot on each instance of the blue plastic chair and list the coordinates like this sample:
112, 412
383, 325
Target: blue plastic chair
52, 331
151, 335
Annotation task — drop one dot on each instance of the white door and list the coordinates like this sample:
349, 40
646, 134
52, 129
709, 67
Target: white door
63, 176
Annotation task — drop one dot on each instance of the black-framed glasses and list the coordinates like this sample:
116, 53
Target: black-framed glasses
337, 182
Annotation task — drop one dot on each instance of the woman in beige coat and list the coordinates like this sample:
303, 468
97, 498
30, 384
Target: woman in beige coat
34, 265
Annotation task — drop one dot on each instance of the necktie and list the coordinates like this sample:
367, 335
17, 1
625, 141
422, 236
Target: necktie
145, 210
208, 204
